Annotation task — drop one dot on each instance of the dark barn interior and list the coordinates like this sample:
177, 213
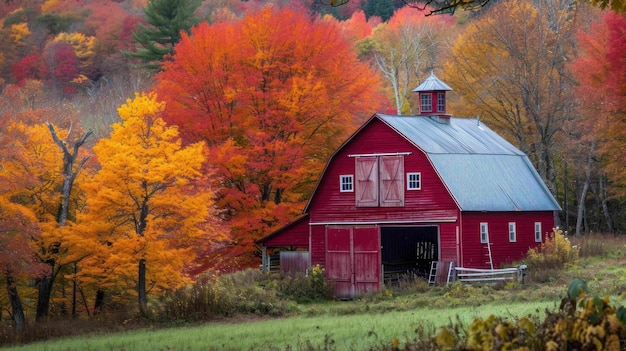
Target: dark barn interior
408, 251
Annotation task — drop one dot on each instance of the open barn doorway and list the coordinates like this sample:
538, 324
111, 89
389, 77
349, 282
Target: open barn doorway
408, 250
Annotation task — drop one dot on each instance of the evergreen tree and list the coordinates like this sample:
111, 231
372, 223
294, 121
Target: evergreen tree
166, 19
381, 8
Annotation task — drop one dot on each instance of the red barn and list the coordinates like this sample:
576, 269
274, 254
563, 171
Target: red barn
405, 191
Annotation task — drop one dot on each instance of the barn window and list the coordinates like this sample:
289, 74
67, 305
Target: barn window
427, 102
413, 181
441, 102
379, 181
512, 232
538, 232
346, 183
484, 233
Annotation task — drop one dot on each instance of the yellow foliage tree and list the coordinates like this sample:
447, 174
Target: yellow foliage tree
84, 46
144, 204
19, 33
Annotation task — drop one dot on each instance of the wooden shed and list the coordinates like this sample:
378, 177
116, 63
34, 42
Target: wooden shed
406, 191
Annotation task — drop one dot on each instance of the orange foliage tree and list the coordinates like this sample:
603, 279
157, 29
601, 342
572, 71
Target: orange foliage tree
509, 66
144, 207
272, 95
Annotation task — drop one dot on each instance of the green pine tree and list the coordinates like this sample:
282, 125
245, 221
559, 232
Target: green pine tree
166, 19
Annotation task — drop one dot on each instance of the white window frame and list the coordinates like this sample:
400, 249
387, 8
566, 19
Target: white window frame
426, 100
512, 232
538, 232
410, 182
346, 183
441, 102
484, 232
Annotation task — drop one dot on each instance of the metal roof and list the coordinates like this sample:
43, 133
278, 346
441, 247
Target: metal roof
482, 170
432, 83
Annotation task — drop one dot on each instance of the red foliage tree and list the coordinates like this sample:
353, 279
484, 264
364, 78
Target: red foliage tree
29, 67
272, 95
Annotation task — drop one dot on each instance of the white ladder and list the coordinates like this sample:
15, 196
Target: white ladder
451, 275
489, 254
433, 273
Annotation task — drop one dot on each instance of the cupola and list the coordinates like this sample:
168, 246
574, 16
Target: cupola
432, 97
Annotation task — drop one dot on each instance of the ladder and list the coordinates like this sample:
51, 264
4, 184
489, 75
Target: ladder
451, 272
489, 254
432, 278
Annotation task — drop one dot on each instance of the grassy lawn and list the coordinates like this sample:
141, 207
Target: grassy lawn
404, 313
340, 332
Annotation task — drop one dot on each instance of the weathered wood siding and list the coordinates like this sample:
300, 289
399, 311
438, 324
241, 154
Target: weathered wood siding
294, 261
475, 253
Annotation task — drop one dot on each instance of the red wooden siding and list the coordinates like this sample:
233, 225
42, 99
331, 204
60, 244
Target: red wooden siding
503, 252
295, 234
431, 203
318, 245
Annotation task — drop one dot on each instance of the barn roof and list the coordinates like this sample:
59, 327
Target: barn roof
482, 170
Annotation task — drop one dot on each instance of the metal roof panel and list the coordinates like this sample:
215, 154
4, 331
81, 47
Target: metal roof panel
483, 171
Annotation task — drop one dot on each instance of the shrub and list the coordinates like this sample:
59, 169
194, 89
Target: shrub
555, 253
304, 288
583, 322
223, 295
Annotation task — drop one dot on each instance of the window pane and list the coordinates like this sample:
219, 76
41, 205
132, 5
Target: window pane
346, 184
441, 102
427, 103
413, 181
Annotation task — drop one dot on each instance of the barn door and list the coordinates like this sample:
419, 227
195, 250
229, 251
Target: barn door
366, 186
353, 259
392, 181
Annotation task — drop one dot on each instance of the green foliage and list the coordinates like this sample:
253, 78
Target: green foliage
555, 253
56, 23
166, 19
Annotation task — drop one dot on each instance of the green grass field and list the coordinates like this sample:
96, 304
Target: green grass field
343, 332
405, 313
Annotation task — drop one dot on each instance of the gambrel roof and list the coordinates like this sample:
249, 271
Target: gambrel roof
482, 170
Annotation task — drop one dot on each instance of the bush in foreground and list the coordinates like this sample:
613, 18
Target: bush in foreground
583, 322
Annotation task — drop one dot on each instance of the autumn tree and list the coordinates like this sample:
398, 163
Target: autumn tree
509, 67
271, 105
18, 229
143, 204
167, 19
404, 49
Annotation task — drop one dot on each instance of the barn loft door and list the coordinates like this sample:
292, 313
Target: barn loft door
391, 181
366, 186
379, 181
353, 259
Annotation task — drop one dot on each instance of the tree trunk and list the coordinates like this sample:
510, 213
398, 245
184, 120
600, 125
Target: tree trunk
583, 194
605, 207
16, 304
141, 288
43, 297
97, 307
